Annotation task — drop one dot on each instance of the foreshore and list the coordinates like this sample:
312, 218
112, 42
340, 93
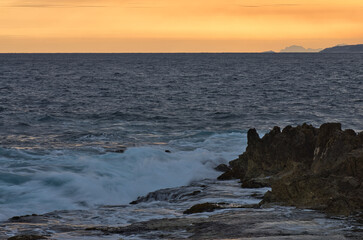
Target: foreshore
316, 192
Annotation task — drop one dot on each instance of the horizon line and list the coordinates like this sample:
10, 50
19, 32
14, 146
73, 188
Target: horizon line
268, 52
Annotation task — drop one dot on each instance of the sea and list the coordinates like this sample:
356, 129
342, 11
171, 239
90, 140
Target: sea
80, 133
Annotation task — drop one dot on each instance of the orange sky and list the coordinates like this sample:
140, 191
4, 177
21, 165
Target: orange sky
177, 25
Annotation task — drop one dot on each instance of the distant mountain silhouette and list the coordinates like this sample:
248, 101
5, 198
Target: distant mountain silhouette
299, 49
344, 49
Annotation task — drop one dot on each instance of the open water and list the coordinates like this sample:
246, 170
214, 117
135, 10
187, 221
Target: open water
64, 119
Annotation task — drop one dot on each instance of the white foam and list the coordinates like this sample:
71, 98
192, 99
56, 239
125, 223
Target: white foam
63, 180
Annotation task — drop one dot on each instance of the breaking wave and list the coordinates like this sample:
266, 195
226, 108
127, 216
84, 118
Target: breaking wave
43, 181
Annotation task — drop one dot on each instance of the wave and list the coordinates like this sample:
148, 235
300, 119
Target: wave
43, 181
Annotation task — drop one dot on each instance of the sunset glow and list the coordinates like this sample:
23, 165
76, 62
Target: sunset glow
176, 26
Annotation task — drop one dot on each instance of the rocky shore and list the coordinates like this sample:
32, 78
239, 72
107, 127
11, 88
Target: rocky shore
307, 167
252, 224
246, 224
303, 166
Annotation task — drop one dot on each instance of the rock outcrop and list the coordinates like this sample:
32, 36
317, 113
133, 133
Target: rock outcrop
318, 168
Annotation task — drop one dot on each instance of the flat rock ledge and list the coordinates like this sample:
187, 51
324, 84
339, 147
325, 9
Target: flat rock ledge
307, 167
242, 224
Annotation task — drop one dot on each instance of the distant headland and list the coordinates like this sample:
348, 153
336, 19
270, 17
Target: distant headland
341, 48
344, 49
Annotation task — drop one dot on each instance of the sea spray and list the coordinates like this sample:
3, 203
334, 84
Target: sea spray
37, 181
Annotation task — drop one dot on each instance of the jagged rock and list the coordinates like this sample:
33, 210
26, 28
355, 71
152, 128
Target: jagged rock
319, 168
275, 152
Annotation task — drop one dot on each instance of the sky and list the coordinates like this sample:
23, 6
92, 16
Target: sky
177, 25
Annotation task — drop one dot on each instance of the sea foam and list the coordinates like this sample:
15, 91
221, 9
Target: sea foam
39, 182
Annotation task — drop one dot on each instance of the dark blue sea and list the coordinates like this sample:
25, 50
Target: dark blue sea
82, 131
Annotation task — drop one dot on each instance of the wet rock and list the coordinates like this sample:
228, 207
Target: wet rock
203, 207
157, 225
228, 175
319, 168
222, 168
235, 171
27, 237
169, 194
193, 193
15, 218
257, 183
120, 150
257, 195
33, 218
115, 149
247, 224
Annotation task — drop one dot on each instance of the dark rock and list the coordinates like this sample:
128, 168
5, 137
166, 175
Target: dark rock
120, 151
193, 193
222, 168
252, 137
33, 218
275, 152
229, 175
235, 171
15, 218
210, 207
27, 237
319, 168
257, 183
257, 195
167, 151
226, 176
203, 207
168, 194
